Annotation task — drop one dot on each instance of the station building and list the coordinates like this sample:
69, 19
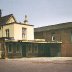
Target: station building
19, 40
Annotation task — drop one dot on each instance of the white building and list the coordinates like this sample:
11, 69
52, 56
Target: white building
9, 27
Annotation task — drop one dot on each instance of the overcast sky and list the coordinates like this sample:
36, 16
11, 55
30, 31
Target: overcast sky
39, 12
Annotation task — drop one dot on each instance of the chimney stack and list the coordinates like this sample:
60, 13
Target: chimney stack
0, 13
25, 21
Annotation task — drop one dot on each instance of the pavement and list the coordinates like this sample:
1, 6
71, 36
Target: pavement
45, 59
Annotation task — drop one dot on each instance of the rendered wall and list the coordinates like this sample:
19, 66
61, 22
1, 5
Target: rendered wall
18, 32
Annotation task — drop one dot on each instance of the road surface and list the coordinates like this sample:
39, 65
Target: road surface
35, 66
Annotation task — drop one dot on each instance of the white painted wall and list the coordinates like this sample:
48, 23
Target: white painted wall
3, 30
9, 26
16, 31
11, 20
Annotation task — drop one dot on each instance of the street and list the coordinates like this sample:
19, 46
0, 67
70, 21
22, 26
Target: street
34, 66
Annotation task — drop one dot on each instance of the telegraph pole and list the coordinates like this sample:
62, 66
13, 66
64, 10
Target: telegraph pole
4, 45
5, 50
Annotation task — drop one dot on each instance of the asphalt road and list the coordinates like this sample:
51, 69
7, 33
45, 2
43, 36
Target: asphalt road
28, 66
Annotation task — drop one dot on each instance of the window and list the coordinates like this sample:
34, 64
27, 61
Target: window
35, 48
10, 48
24, 33
17, 48
7, 32
53, 36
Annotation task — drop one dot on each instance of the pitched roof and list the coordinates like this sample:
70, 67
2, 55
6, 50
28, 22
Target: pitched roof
4, 19
54, 27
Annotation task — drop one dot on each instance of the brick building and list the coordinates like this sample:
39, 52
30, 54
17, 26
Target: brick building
54, 33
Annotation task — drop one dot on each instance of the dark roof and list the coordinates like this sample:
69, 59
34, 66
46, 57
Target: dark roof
17, 23
4, 19
24, 24
54, 27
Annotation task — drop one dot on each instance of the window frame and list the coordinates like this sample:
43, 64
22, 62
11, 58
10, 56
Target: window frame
7, 33
53, 38
24, 33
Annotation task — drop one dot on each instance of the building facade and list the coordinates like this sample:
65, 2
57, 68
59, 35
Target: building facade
55, 33
17, 39
15, 30
11, 33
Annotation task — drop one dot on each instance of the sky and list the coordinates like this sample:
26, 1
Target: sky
40, 12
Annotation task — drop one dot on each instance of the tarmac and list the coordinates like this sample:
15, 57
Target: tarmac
37, 64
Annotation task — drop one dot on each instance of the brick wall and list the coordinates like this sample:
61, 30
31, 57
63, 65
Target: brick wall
63, 35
